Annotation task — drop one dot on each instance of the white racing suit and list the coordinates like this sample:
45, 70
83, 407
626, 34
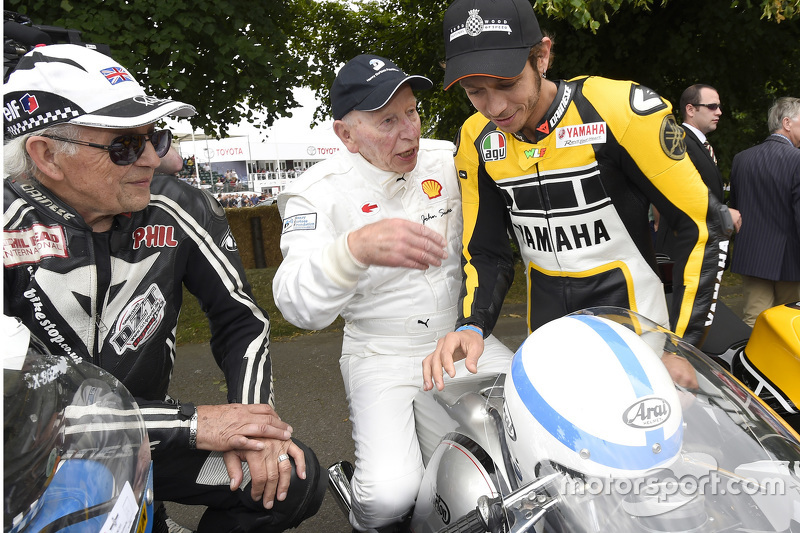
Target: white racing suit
393, 316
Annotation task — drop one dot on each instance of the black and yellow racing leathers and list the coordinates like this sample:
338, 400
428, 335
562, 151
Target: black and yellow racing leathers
575, 198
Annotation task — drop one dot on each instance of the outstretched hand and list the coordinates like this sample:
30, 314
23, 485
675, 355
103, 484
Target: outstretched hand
454, 346
397, 242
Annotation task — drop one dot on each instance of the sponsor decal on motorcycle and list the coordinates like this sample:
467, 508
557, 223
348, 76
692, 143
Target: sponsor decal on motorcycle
441, 509
512, 434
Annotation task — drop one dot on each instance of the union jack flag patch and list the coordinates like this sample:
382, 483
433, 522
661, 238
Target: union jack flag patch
116, 75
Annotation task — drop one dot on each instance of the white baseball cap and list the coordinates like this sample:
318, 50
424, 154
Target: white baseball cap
69, 83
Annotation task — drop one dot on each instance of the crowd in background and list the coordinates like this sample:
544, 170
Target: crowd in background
244, 199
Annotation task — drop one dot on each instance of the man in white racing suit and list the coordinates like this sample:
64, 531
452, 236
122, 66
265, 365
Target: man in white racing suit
374, 234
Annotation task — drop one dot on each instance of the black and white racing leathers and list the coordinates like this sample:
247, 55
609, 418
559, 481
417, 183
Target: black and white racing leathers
113, 298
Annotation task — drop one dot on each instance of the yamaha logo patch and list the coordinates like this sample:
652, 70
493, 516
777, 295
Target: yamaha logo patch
672, 141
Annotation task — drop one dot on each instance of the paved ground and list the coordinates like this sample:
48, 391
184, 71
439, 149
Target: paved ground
310, 396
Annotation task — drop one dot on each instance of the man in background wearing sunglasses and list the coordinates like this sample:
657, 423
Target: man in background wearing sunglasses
701, 110
96, 253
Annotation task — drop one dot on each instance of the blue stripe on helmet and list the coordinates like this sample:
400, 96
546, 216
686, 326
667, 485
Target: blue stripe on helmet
603, 452
630, 364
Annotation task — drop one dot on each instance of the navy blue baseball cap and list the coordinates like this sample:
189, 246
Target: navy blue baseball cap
367, 83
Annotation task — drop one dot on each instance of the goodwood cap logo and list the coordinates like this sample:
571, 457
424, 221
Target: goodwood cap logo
672, 141
647, 413
474, 24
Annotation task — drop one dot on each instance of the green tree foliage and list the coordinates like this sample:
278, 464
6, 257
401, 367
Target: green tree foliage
231, 59
750, 52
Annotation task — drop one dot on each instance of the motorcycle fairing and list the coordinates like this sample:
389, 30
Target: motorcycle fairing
738, 468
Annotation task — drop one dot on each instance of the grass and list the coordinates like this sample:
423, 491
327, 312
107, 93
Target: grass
193, 326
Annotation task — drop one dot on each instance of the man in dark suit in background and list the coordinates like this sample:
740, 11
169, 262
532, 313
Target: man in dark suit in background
765, 187
701, 110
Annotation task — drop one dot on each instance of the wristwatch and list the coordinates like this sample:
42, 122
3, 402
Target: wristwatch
189, 411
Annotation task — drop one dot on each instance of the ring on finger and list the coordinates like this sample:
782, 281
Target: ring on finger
282, 457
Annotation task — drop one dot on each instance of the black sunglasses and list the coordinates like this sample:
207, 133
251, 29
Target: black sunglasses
711, 107
127, 149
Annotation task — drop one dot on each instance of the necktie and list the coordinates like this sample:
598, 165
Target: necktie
710, 151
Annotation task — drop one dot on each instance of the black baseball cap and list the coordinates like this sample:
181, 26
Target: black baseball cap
367, 82
488, 38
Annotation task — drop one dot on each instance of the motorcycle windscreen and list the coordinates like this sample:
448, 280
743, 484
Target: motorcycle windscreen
737, 468
75, 445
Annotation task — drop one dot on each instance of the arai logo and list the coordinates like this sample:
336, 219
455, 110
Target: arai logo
647, 413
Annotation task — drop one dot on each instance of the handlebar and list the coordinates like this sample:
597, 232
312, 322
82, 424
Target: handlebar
523, 507
472, 522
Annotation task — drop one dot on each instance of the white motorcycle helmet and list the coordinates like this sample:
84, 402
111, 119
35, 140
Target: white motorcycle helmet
591, 396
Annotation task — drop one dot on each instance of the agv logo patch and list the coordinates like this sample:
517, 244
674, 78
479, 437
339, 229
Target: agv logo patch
493, 147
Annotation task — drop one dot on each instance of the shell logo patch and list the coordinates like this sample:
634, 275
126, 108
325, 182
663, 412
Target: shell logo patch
432, 189
493, 147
